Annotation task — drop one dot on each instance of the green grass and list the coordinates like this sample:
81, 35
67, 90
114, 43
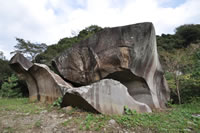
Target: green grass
95, 122
178, 118
8, 130
38, 123
19, 105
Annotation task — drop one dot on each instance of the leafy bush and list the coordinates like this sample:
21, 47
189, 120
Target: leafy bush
190, 82
128, 111
169, 42
5, 71
9, 88
190, 33
57, 103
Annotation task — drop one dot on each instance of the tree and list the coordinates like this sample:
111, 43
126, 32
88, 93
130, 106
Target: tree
5, 71
9, 88
183, 71
88, 31
65, 43
2, 57
190, 33
169, 42
175, 62
30, 50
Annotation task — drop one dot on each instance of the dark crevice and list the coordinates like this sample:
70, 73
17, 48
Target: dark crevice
75, 100
74, 84
137, 86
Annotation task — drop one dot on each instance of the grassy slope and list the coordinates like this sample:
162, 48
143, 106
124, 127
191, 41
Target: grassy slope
178, 118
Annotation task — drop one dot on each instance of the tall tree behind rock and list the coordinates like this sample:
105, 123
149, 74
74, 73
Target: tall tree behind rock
2, 57
29, 49
190, 33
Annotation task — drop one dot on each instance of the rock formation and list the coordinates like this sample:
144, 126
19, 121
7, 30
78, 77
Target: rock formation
127, 54
106, 96
114, 68
21, 65
43, 84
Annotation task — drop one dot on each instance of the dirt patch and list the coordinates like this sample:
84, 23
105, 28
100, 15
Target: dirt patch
56, 120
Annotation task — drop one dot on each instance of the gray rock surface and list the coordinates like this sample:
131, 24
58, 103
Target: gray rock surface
106, 96
50, 85
21, 66
43, 84
127, 54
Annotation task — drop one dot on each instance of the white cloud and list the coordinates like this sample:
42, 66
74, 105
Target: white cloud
49, 20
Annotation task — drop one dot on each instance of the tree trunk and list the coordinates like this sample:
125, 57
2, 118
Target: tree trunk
178, 90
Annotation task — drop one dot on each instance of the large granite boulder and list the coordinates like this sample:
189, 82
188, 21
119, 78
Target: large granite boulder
106, 96
127, 54
43, 84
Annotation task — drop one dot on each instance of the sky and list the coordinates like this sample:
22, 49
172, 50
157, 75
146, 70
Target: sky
47, 21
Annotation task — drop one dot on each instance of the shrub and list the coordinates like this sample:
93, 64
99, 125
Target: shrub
190, 33
58, 102
9, 88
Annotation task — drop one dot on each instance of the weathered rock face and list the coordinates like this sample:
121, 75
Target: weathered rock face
43, 84
106, 96
127, 54
21, 65
50, 85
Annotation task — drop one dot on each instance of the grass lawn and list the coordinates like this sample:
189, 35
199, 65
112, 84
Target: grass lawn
19, 105
177, 118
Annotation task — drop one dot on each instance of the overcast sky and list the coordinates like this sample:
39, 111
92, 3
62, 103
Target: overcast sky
47, 21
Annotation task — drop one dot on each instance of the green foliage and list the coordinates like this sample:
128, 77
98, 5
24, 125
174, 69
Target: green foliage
30, 50
170, 79
128, 111
169, 42
56, 49
57, 103
38, 123
94, 122
186, 61
178, 58
89, 118
9, 130
176, 120
183, 37
2, 57
5, 71
88, 31
190, 33
9, 88
190, 83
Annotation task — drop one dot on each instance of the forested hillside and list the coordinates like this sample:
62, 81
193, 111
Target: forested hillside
179, 55
180, 58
